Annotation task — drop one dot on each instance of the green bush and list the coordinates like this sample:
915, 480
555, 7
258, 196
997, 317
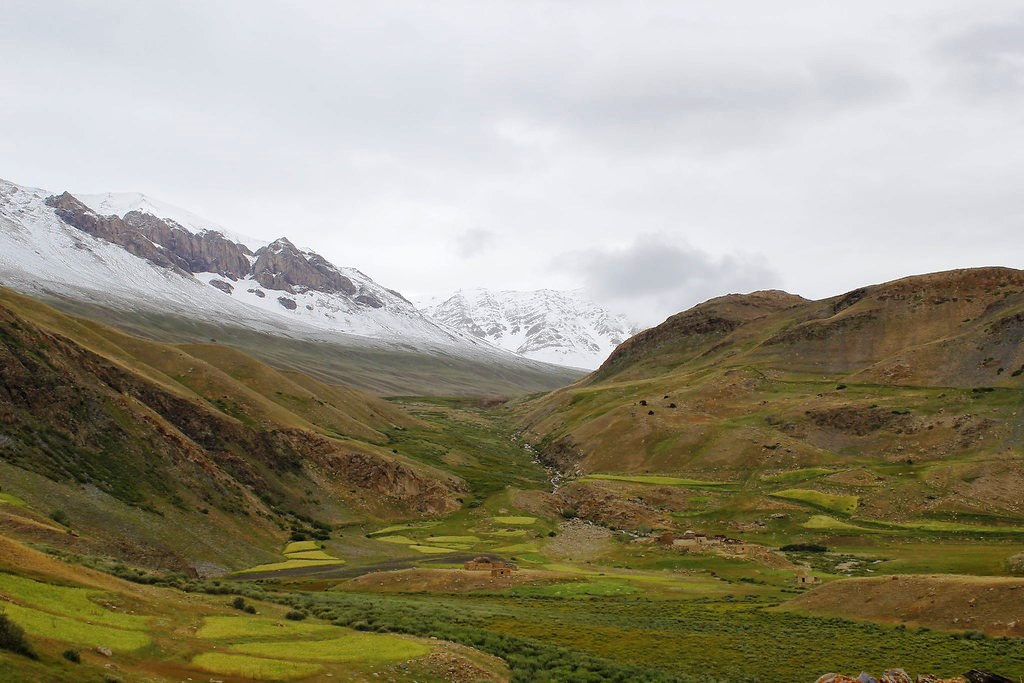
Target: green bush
12, 638
72, 656
803, 548
295, 615
60, 517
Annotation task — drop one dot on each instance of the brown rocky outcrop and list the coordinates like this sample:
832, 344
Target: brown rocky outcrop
282, 266
111, 229
160, 241
204, 252
394, 481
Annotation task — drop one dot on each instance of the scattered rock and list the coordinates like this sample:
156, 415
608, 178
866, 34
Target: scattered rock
222, 286
290, 304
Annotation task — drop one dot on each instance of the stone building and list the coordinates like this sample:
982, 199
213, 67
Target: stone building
494, 566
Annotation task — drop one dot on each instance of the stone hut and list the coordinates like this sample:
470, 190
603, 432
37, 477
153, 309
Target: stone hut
487, 564
805, 578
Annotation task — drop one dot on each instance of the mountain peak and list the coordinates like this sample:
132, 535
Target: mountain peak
554, 326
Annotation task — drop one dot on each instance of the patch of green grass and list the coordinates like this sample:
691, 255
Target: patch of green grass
11, 499
352, 647
596, 588
507, 532
290, 564
433, 549
401, 540
936, 525
254, 667
843, 504
301, 546
795, 476
660, 480
403, 527
826, 523
515, 521
453, 539
77, 603
311, 555
519, 548
73, 631
227, 627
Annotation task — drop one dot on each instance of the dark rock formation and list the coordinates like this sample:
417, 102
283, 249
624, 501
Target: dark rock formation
205, 252
283, 267
111, 229
287, 303
222, 286
369, 300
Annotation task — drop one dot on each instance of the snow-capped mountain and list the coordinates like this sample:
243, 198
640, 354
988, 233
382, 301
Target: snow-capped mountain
564, 328
128, 252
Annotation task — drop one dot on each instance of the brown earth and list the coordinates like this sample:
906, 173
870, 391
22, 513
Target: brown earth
952, 603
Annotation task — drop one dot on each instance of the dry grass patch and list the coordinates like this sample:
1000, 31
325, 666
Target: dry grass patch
994, 605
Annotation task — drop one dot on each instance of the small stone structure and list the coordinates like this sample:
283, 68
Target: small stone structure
487, 564
805, 579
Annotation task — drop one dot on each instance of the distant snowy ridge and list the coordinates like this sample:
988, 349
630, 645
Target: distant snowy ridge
134, 253
564, 328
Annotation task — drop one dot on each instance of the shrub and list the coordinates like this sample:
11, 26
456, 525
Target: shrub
1015, 564
803, 548
72, 656
12, 638
249, 609
298, 536
60, 517
295, 615
238, 603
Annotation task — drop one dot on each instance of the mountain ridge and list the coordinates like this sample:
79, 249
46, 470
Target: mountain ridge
562, 327
140, 266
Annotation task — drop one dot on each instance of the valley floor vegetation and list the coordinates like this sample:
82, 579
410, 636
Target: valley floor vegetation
588, 603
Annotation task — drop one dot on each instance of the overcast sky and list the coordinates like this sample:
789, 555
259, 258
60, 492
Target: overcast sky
653, 153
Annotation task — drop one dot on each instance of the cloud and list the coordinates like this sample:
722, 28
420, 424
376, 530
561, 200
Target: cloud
474, 241
987, 59
654, 277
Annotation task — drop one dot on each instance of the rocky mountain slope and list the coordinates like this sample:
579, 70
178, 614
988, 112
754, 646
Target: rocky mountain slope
903, 399
135, 264
551, 326
138, 442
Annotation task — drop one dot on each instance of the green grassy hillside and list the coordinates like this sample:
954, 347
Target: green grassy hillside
141, 443
897, 403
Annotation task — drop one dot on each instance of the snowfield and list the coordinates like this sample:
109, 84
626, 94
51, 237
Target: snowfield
42, 255
563, 328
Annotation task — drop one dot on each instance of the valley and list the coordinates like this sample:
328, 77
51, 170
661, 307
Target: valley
756, 474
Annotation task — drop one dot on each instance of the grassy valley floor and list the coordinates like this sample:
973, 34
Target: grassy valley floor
607, 598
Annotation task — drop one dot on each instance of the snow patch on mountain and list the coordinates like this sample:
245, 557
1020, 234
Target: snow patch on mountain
43, 254
552, 326
121, 203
